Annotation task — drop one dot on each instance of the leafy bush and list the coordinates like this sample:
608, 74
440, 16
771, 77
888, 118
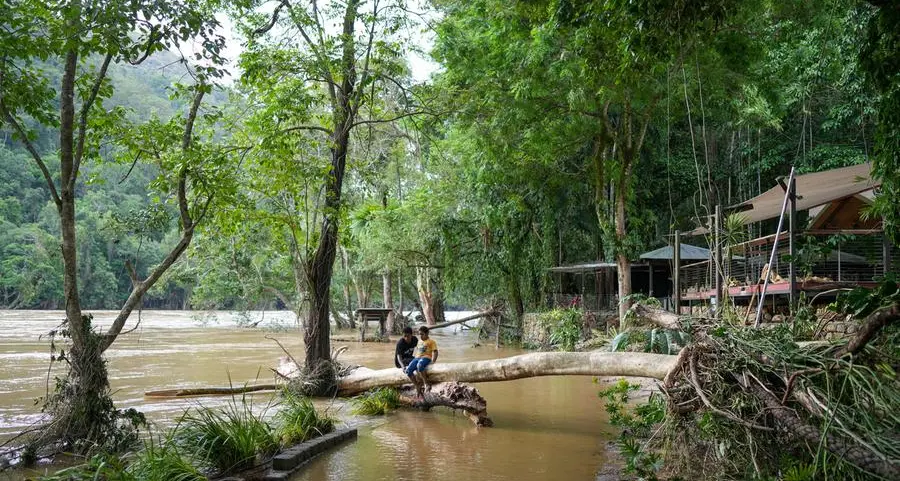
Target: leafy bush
225, 440
377, 402
298, 420
636, 425
102, 466
564, 326
662, 341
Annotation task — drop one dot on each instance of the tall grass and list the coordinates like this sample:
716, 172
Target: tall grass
163, 461
377, 402
226, 440
298, 420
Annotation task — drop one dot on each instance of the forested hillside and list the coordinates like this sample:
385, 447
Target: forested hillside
113, 193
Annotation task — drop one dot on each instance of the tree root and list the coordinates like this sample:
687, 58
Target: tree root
453, 395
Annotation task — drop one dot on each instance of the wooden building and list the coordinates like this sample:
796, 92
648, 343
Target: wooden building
835, 244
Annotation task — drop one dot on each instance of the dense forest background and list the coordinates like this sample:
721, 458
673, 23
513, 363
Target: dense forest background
509, 160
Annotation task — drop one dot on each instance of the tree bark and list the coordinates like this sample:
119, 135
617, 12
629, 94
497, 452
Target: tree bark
348, 299
664, 319
632, 364
623, 264
870, 327
423, 286
517, 367
388, 296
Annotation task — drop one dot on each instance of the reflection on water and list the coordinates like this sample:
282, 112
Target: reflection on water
545, 428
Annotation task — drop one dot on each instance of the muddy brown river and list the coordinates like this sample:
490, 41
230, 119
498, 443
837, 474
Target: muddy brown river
545, 428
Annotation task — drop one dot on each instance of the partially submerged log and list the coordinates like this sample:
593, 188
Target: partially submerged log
517, 367
209, 391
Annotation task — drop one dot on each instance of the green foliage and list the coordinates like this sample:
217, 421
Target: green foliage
564, 326
635, 425
106, 467
377, 402
163, 460
861, 302
298, 420
225, 440
662, 341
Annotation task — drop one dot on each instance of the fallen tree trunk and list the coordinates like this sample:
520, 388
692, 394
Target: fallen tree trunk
870, 327
488, 313
848, 449
664, 319
518, 367
632, 364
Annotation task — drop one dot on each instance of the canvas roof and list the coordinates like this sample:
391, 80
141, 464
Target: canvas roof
688, 253
813, 189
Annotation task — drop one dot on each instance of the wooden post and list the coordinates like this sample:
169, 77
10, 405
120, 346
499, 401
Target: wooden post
717, 223
650, 265
792, 193
676, 276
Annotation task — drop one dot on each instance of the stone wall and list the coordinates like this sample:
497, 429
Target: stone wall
534, 333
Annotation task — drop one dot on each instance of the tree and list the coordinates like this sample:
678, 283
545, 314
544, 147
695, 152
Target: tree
335, 75
76, 42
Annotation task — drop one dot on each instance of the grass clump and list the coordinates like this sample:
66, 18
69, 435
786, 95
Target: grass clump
377, 402
298, 420
226, 440
163, 460
102, 466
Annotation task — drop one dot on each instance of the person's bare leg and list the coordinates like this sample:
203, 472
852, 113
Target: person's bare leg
424, 380
417, 383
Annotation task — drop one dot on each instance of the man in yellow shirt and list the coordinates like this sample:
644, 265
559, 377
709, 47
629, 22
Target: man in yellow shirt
426, 353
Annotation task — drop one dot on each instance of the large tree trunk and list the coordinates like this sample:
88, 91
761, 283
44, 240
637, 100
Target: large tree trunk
423, 286
387, 293
633, 364
623, 264
518, 367
318, 336
348, 299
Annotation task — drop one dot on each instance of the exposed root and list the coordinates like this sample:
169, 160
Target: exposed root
453, 395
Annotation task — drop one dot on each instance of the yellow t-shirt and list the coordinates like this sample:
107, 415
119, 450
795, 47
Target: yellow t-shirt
426, 348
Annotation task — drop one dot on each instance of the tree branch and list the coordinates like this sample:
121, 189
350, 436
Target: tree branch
384, 121
306, 127
83, 118
34, 153
272, 21
870, 328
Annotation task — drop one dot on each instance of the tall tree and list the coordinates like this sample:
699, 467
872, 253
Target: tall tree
76, 42
337, 73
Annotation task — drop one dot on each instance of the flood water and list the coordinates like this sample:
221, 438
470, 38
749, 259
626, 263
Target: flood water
545, 428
